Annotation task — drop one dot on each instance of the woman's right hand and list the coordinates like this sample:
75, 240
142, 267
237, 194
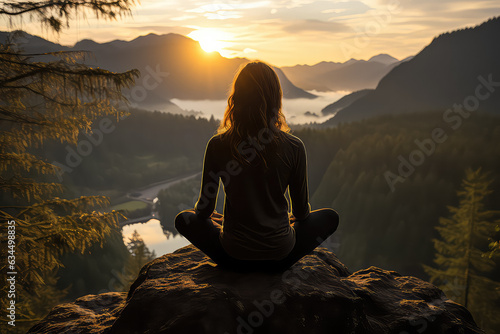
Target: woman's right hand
217, 217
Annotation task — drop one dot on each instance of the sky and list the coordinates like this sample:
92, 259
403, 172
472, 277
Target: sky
285, 33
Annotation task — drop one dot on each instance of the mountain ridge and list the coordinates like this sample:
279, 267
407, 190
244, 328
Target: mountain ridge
178, 64
351, 75
445, 73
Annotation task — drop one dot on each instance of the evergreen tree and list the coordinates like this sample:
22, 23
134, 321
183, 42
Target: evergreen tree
462, 265
139, 256
40, 102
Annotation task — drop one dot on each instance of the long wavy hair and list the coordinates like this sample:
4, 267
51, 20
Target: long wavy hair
254, 112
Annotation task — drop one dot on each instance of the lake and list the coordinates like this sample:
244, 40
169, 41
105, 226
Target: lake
154, 238
294, 109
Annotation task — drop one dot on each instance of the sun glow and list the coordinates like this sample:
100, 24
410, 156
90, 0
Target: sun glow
211, 39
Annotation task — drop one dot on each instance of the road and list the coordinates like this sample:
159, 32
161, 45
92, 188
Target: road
148, 194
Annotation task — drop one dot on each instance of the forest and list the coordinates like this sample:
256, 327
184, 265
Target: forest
413, 195
347, 168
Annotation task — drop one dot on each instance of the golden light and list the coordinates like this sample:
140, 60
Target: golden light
211, 39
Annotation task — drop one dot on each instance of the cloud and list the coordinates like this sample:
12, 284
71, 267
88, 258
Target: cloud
323, 10
159, 29
315, 25
228, 10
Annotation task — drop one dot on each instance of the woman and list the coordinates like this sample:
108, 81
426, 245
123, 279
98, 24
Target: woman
256, 159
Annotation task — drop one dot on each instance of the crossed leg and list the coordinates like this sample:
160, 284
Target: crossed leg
204, 234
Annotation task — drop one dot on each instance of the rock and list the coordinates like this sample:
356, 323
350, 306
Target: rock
185, 292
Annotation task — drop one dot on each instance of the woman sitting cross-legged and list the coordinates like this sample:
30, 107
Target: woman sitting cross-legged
257, 160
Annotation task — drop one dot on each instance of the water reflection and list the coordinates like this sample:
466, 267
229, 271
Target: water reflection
156, 238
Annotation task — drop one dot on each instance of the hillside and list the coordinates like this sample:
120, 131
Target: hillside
171, 65
343, 102
444, 73
398, 219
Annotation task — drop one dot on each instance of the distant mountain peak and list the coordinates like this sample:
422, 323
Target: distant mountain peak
384, 58
85, 44
350, 61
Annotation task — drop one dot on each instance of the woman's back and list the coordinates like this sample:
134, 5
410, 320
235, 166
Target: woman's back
256, 222
256, 159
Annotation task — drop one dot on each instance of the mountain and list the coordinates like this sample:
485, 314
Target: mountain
171, 66
456, 68
383, 58
355, 76
344, 102
352, 75
307, 74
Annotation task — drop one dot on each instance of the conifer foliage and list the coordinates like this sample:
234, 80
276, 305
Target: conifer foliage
49, 97
464, 269
139, 256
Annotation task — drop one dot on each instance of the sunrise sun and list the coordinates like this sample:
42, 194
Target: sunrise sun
210, 39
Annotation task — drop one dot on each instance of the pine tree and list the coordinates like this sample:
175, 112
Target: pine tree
139, 256
461, 252
41, 102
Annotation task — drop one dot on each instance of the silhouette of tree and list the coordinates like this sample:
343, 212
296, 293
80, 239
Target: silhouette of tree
462, 264
56, 14
43, 101
139, 256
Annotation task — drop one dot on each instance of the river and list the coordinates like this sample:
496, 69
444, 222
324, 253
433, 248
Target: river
151, 230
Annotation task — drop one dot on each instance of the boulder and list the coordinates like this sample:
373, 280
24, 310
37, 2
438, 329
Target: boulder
185, 292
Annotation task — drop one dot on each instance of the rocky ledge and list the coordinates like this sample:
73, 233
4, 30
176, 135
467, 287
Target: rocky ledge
185, 292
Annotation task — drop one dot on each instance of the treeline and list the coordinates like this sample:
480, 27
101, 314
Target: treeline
143, 148
182, 196
350, 170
